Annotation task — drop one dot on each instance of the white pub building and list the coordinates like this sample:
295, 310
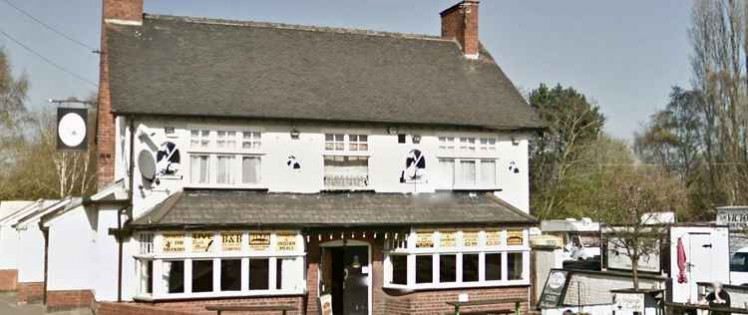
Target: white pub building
272, 164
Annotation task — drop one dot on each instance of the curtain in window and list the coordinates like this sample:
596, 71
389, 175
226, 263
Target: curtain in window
488, 173
447, 169
250, 170
467, 173
199, 169
224, 170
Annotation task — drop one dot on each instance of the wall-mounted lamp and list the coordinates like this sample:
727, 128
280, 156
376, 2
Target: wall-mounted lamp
295, 133
392, 130
416, 139
515, 141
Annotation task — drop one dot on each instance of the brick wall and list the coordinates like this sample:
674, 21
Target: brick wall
460, 22
29, 292
107, 308
70, 299
123, 10
8, 280
434, 302
198, 306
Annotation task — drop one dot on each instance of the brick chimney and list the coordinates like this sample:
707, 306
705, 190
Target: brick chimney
460, 23
129, 12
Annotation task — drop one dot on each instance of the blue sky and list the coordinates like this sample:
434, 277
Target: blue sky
625, 55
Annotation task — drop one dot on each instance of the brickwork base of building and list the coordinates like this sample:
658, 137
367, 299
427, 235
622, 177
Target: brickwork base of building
8, 280
435, 301
30, 292
70, 299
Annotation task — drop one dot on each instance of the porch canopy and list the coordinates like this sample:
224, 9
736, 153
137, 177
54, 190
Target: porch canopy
198, 209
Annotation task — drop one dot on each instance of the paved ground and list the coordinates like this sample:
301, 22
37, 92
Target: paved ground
9, 306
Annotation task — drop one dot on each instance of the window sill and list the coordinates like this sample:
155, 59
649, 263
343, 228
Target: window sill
225, 187
456, 285
213, 295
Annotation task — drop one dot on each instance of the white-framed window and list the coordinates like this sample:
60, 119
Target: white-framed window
447, 143
467, 173
145, 241
225, 158
222, 264
346, 161
487, 144
436, 259
467, 144
346, 143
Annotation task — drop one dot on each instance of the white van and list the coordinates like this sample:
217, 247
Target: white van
739, 267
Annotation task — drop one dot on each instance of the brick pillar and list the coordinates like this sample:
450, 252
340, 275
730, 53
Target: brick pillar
460, 22
122, 12
312, 275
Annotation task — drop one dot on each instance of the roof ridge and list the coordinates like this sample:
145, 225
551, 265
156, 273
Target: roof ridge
297, 27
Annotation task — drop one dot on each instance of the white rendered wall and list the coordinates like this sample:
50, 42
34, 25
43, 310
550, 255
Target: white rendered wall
72, 252
8, 247
31, 253
386, 158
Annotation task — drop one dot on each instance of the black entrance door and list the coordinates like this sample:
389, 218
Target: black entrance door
350, 289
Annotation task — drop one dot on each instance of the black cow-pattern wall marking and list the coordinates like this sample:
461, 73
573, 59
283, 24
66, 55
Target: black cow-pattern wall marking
415, 167
513, 168
293, 163
168, 159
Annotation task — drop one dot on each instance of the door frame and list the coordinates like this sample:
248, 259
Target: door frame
341, 243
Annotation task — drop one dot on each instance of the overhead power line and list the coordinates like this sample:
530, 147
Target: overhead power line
47, 60
49, 27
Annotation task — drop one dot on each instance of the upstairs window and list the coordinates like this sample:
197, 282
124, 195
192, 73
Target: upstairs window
466, 173
467, 144
225, 157
447, 143
341, 143
346, 172
488, 144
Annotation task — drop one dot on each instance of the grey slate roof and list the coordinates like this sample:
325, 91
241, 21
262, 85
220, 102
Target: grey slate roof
200, 67
215, 208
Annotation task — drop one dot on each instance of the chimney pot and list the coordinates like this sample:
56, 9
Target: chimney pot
460, 23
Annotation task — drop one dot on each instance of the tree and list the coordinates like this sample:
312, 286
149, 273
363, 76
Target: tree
639, 192
572, 122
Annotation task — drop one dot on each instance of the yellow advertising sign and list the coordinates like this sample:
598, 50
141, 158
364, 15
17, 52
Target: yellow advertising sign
231, 241
493, 238
514, 237
470, 238
286, 241
448, 238
259, 241
424, 239
202, 242
173, 242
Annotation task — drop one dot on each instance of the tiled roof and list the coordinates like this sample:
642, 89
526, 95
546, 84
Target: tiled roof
201, 67
216, 208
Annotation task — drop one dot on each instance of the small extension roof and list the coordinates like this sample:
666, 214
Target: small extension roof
181, 66
215, 208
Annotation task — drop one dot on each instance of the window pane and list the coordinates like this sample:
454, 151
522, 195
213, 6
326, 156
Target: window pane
259, 274
174, 274
285, 273
493, 267
467, 173
469, 267
346, 171
399, 269
447, 268
202, 276
146, 276
250, 170
224, 175
231, 274
488, 173
199, 169
424, 269
447, 167
514, 266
